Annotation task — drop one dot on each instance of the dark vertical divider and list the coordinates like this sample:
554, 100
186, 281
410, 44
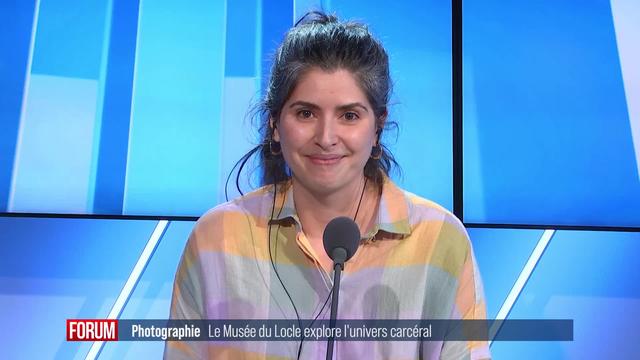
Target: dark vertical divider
456, 71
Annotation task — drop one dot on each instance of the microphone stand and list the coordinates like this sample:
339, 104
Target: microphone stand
337, 270
340, 239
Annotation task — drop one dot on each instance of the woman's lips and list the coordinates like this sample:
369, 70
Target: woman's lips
324, 159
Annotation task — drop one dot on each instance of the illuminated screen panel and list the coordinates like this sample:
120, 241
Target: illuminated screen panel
590, 277
551, 113
58, 269
512, 247
140, 108
151, 298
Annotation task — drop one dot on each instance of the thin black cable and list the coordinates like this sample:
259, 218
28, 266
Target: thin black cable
273, 265
314, 320
243, 160
271, 256
360, 202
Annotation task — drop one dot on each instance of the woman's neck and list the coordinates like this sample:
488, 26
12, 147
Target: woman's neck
316, 210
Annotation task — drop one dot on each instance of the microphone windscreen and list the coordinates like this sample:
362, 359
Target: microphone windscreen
341, 232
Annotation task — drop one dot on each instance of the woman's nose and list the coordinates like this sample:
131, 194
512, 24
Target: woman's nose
326, 135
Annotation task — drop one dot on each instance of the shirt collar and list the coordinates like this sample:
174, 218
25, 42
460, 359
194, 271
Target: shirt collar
288, 208
393, 211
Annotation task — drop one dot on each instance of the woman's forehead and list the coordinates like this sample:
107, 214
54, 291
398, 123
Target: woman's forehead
322, 88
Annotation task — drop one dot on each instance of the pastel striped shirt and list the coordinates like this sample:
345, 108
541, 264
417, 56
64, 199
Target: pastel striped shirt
416, 263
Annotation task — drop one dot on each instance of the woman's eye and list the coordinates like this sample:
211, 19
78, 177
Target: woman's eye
350, 116
305, 114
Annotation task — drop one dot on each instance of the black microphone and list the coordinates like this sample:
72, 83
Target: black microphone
340, 238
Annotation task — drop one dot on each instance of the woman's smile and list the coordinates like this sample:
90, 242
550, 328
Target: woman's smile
326, 160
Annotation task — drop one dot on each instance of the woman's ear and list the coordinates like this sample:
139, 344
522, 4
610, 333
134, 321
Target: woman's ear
380, 125
378, 135
275, 136
382, 120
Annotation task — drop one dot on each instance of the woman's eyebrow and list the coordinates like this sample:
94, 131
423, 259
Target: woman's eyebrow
352, 105
339, 107
304, 104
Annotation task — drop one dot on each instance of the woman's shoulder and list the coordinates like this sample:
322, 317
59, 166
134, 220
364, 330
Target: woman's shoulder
425, 213
421, 209
254, 205
433, 223
238, 217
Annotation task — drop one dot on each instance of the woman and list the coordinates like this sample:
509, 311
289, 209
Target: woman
261, 256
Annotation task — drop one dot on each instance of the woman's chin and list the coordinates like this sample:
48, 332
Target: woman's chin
324, 185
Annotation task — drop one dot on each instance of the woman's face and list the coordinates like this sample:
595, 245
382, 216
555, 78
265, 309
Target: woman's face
326, 130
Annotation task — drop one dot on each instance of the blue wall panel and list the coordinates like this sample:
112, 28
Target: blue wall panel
501, 255
53, 160
590, 277
277, 18
70, 38
114, 137
58, 269
56, 143
546, 120
152, 296
240, 54
173, 160
236, 134
16, 18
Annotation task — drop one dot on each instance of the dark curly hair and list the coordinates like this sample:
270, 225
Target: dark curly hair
322, 41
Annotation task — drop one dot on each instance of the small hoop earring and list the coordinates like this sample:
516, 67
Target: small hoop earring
376, 152
275, 150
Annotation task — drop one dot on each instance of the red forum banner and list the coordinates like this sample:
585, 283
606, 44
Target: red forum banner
92, 330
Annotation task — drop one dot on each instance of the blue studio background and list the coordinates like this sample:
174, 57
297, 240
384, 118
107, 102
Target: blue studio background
113, 107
